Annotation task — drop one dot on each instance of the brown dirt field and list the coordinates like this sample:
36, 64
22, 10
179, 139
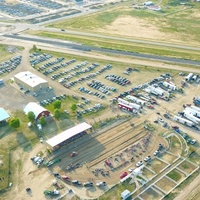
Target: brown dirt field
147, 173
156, 165
165, 184
150, 194
187, 167
133, 27
168, 157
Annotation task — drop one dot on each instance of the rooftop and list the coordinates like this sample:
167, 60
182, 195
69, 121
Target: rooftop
3, 114
54, 141
30, 78
35, 108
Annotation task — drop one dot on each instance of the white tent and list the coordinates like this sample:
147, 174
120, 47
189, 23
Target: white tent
56, 140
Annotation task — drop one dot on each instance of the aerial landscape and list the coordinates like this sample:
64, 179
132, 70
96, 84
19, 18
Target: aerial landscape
99, 99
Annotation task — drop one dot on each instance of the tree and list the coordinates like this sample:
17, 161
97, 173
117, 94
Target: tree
57, 104
34, 48
31, 116
56, 113
73, 107
14, 123
43, 121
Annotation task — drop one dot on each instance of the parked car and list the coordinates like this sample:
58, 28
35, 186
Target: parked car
123, 174
88, 184
131, 170
156, 153
139, 163
99, 184
148, 158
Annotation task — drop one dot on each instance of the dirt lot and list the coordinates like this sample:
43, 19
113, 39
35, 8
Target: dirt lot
150, 194
166, 184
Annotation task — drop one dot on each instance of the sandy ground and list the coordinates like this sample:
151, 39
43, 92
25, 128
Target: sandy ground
105, 147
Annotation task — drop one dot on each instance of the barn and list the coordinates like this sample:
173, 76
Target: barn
68, 135
3, 115
30, 81
38, 110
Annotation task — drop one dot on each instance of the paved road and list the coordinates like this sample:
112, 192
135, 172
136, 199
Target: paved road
79, 47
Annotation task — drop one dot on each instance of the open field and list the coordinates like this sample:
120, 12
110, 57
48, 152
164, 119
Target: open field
150, 194
176, 175
147, 173
165, 184
168, 157
173, 24
187, 167
4, 168
157, 165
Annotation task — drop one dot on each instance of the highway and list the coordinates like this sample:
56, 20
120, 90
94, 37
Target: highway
80, 47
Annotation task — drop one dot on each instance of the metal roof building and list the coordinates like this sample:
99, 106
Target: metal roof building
38, 110
30, 81
56, 141
3, 115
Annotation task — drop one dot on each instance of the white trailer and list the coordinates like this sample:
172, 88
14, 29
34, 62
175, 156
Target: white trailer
183, 121
169, 85
192, 111
195, 108
157, 91
135, 106
120, 100
135, 100
189, 77
191, 117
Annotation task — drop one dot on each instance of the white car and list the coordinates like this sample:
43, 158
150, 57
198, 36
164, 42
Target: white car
131, 170
99, 184
148, 158
156, 153
139, 163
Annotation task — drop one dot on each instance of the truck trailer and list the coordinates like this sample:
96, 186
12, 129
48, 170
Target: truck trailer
133, 105
193, 112
183, 121
127, 107
189, 77
191, 117
169, 85
135, 100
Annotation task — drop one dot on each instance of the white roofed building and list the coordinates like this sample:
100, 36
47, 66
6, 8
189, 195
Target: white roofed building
3, 115
68, 135
30, 81
38, 110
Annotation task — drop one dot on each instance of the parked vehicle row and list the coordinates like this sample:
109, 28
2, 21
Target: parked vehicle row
84, 90
10, 65
101, 87
38, 58
49, 101
117, 79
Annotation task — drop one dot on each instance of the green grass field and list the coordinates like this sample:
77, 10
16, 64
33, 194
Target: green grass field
4, 168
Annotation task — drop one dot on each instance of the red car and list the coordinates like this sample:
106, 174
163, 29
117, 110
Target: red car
123, 174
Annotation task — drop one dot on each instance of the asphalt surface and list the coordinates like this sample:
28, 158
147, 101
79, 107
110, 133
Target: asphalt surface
80, 47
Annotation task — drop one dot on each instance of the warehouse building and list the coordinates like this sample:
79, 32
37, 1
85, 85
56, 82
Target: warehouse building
68, 135
38, 110
30, 81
